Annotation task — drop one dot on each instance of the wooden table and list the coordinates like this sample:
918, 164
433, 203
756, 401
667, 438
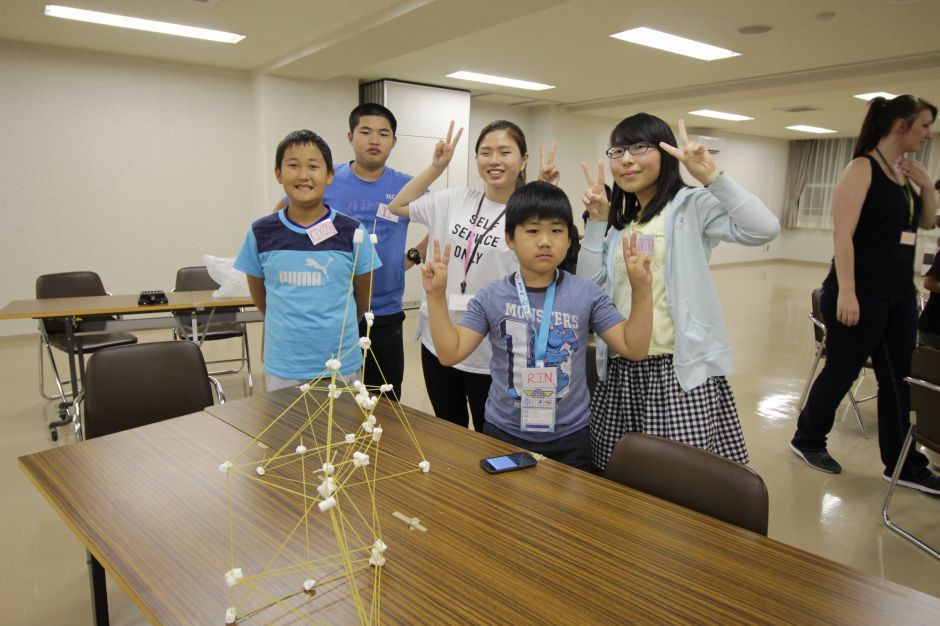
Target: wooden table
544, 545
134, 318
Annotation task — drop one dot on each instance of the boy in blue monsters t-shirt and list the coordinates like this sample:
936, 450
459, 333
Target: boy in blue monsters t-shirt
304, 264
539, 321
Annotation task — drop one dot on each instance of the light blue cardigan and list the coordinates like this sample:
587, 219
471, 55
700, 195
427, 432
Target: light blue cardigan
696, 220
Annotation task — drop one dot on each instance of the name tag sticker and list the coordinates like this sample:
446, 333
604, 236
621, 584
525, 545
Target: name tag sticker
539, 391
645, 245
384, 213
458, 301
322, 231
908, 238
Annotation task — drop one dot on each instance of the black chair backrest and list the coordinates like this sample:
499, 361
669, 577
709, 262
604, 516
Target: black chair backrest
195, 278
130, 386
926, 402
69, 285
817, 313
691, 477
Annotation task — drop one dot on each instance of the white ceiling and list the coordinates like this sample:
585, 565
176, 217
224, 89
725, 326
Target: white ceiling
867, 45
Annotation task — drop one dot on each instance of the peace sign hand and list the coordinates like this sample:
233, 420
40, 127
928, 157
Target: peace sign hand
444, 149
639, 269
595, 197
547, 170
434, 270
694, 156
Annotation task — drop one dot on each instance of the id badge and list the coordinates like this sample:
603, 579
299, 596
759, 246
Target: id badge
645, 245
385, 214
458, 301
319, 233
539, 390
908, 238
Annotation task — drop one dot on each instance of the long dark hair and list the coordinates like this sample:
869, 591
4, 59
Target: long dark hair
517, 135
881, 116
624, 206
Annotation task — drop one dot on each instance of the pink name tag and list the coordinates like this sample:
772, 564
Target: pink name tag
385, 214
319, 233
645, 245
908, 238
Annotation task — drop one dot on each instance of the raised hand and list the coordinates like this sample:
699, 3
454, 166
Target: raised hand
915, 171
595, 197
638, 267
444, 149
694, 156
434, 270
547, 170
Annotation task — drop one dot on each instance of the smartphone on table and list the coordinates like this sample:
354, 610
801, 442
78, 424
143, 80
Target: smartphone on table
507, 462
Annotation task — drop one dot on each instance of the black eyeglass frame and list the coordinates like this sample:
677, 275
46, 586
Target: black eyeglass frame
636, 149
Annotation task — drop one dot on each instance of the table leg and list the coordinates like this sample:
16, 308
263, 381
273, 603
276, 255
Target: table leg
99, 592
70, 340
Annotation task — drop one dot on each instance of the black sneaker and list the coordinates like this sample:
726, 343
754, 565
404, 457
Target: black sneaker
928, 483
818, 459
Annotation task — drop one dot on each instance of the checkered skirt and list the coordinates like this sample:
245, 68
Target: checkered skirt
645, 396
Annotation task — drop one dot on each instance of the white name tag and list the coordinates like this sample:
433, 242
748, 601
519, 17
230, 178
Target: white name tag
539, 390
645, 245
319, 233
385, 214
908, 238
458, 301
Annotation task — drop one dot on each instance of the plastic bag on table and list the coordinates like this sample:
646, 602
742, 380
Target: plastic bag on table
232, 283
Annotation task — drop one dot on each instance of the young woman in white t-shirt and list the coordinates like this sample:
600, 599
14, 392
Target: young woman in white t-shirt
472, 221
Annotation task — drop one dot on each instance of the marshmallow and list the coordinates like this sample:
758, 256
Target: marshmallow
326, 488
231, 615
367, 426
333, 364
377, 433
359, 236
327, 504
357, 384
360, 459
328, 469
370, 318
365, 343
425, 466
259, 471
305, 387
373, 238
379, 545
309, 583
377, 559
225, 467
386, 387
350, 438
233, 576
301, 449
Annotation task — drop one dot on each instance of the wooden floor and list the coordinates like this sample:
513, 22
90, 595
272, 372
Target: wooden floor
45, 582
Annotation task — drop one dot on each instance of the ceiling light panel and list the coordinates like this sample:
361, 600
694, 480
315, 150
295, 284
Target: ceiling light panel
871, 96
135, 23
810, 129
721, 115
673, 43
499, 80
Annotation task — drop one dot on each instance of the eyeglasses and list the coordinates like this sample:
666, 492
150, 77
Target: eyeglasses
636, 149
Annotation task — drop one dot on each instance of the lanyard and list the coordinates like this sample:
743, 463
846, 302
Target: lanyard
541, 343
906, 187
473, 243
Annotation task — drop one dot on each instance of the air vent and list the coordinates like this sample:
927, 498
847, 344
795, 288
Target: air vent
801, 108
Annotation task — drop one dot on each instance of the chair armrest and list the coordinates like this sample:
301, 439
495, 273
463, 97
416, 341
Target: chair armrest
817, 323
922, 383
218, 389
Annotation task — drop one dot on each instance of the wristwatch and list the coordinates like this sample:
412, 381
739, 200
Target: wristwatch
414, 256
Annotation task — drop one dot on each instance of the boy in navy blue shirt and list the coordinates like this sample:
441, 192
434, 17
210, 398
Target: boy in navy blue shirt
309, 269
539, 321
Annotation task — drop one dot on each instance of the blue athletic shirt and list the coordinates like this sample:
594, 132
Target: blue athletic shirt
360, 199
308, 291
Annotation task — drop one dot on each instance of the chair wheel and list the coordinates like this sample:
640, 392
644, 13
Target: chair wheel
54, 433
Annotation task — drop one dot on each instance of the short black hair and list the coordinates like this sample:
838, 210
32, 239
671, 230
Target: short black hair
538, 200
370, 108
302, 137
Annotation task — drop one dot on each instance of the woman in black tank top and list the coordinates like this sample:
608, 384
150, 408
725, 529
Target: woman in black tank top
868, 298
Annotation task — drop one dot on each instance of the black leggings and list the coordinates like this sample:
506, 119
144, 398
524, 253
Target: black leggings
386, 360
451, 389
885, 332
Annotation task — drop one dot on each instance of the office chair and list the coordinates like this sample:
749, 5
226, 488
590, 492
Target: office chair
691, 477
197, 279
130, 386
135, 385
52, 330
819, 331
925, 426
